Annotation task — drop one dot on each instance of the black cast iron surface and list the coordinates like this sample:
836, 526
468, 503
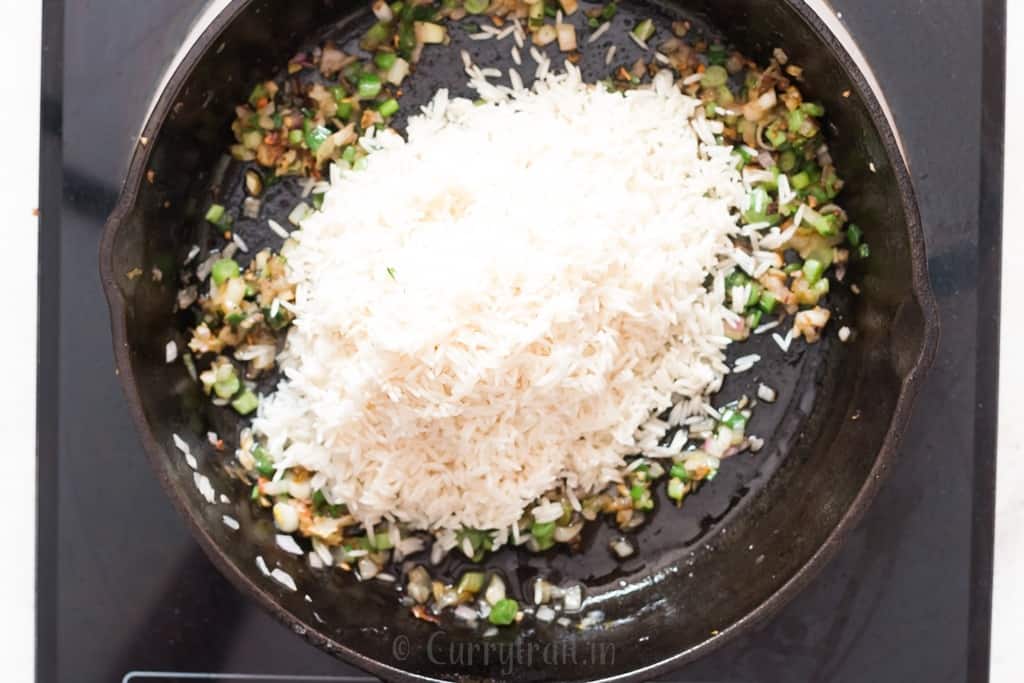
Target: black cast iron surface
132, 591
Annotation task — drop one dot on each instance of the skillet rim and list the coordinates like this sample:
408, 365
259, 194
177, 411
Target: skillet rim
921, 288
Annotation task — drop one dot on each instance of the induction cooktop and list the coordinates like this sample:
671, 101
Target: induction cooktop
124, 592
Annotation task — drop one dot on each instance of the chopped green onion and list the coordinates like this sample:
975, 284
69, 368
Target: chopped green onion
349, 153
776, 136
315, 135
636, 492
234, 318
227, 387
736, 278
245, 403
678, 471
754, 318
716, 54
345, 110
644, 30
800, 181
476, 6
264, 463
384, 60
258, 93
255, 494
369, 86
755, 294
295, 137
767, 302
550, 10
813, 270
825, 225
813, 109
796, 120
787, 162
318, 201
757, 207
714, 77
864, 251
406, 39
388, 107
504, 612
471, 582
592, 22
223, 270
379, 33
792, 268
542, 530
734, 419
352, 71
676, 489
854, 235
382, 541
608, 11
215, 214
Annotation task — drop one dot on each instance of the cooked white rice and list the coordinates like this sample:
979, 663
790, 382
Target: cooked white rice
495, 307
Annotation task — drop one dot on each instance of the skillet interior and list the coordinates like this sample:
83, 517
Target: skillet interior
709, 567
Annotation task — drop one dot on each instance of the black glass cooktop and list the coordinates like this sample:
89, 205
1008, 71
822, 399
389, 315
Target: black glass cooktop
123, 589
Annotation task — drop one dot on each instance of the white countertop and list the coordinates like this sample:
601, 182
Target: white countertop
18, 199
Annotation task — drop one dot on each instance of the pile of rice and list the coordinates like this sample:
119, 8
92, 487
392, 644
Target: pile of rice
497, 307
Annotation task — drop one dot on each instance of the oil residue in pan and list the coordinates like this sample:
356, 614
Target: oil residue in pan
673, 540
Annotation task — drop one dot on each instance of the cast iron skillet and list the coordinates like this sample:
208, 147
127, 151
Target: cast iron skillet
724, 562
